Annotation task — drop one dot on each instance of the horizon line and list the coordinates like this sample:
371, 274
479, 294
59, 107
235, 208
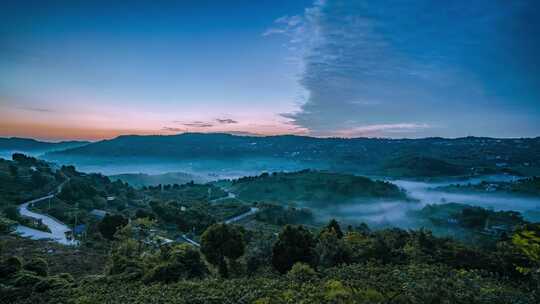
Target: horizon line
261, 136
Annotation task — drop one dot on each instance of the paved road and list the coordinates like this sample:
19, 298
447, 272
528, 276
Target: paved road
252, 211
237, 218
229, 195
58, 229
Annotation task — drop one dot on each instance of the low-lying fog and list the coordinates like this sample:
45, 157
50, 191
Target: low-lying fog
397, 213
381, 213
203, 168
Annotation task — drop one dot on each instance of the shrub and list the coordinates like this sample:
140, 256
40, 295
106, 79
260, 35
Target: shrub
220, 242
10, 266
301, 272
26, 279
38, 266
49, 283
295, 244
110, 224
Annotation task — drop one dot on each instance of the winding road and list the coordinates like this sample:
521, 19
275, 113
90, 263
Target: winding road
57, 228
234, 219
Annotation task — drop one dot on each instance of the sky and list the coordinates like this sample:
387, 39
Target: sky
406, 68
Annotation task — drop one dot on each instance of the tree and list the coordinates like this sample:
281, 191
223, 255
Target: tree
13, 170
38, 179
220, 242
333, 225
110, 224
332, 250
182, 261
37, 265
294, 244
302, 273
527, 240
10, 266
12, 213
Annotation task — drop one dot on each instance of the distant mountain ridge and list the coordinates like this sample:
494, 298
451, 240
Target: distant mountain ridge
369, 155
32, 145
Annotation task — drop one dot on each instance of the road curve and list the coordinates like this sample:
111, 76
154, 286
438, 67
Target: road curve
57, 228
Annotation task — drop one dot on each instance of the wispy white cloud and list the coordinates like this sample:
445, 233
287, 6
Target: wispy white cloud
34, 109
226, 121
173, 129
198, 124
380, 129
369, 65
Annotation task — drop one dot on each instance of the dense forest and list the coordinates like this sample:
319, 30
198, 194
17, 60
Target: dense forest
312, 186
300, 266
235, 241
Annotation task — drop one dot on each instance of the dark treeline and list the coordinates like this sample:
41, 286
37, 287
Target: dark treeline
329, 265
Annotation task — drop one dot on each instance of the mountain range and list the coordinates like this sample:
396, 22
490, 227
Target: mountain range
34, 146
395, 157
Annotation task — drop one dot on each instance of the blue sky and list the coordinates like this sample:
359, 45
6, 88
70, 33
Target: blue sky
97, 69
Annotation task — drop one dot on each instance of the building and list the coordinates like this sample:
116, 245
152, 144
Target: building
98, 213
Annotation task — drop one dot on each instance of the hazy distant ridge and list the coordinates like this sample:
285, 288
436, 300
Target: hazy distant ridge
366, 155
28, 144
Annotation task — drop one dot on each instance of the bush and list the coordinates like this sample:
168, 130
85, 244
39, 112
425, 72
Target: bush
54, 282
38, 266
182, 262
294, 244
26, 279
10, 266
301, 272
110, 224
66, 276
6, 225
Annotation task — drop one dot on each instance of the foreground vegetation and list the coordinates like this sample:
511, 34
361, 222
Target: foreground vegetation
299, 266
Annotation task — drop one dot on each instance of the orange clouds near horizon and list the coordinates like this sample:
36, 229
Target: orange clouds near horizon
60, 133
47, 132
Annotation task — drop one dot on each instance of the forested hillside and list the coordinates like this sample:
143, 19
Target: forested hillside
393, 157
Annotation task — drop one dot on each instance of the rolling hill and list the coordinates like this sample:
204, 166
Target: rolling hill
368, 156
313, 186
34, 146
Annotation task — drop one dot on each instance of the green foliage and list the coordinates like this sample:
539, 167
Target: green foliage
281, 215
110, 224
317, 187
333, 225
38, 266
52, 282
415, 166
524, 187
194, 218
26, 279
331, 249
76, 190
13, 170
12, 213
10, 266
295, 244
181, 262
220, 242
527, 240
302, 273
359, 283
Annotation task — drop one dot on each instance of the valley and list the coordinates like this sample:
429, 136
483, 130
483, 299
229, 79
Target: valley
152, 224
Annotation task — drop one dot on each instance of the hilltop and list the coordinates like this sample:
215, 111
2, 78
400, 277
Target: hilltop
32, 145
368, 156
312, 186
